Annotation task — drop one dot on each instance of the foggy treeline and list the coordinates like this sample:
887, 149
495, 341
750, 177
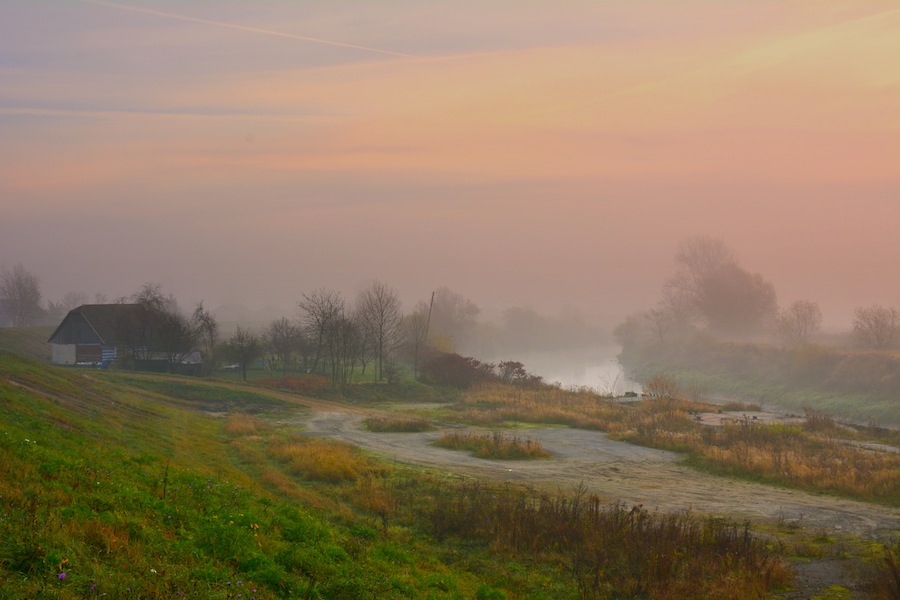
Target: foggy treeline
325, 333
711, 292
720, 330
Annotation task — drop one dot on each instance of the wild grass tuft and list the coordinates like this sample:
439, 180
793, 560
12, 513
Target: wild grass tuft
822, 456
495, 444
614, 551
321, 460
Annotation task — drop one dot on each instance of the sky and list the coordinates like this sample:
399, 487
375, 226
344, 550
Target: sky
522, 153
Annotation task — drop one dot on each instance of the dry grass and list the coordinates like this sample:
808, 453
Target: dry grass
814, 458
613, 551
320, 460
240, 424
494, 444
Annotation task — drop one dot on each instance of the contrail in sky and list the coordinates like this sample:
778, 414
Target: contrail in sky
247, 29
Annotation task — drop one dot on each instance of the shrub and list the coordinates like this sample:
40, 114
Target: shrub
495, 444
306, 384
319, 460
457, 370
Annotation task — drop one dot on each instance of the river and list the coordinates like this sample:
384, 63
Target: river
596, 368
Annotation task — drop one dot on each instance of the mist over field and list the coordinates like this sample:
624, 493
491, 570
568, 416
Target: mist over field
548, 156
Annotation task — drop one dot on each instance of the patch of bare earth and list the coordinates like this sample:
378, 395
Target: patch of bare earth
623, 472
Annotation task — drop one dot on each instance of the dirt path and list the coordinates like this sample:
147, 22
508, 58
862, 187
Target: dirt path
618, 471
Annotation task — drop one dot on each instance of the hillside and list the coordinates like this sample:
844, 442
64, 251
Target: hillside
30, 342
153, 486
108, 489
148, 486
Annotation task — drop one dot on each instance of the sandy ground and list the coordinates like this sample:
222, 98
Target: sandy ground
619, 472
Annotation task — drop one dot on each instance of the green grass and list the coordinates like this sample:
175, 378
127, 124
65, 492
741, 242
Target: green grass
206, 395
132, 486
131, 494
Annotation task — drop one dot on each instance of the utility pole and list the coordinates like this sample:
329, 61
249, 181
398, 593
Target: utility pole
428, 322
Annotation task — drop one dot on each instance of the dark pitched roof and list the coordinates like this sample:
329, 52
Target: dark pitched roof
104, 319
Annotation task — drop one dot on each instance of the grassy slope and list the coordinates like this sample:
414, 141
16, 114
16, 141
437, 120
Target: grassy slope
137, 485
127, 491
26, 341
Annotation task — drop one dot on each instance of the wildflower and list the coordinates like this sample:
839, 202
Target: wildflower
62, 576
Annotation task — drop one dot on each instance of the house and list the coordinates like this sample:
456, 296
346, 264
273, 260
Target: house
92, 333
135, 334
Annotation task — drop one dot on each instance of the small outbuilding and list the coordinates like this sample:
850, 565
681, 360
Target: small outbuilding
91, 334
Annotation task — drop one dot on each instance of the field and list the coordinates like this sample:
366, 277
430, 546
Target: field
145, 486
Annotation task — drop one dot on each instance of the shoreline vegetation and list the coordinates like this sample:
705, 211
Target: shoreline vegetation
857, 386
818, 455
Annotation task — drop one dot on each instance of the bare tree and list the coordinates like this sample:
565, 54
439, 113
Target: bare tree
318, 311
73, 299
697, 258
800, 321
152, 297
344, 344
244, 347
379, 313
20, 291
453, 318
157, 329
57, 310
679, 308
415, 332
206, 332
283, 339
661, 322
173, 336
876, 327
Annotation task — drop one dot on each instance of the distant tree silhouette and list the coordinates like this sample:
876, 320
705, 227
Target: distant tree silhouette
797, 323
20, 291
876, 327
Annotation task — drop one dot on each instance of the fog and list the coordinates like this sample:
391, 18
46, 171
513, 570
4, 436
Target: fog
596, 368
540, 155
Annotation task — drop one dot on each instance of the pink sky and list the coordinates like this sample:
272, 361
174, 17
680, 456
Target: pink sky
548, 154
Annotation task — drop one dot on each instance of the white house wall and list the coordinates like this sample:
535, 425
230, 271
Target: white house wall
62, 354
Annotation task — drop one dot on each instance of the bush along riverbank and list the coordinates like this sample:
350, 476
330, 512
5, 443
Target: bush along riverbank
863, 387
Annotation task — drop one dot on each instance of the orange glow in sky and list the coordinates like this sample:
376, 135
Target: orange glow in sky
545, 153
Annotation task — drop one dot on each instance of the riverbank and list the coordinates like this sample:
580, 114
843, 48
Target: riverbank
857, 387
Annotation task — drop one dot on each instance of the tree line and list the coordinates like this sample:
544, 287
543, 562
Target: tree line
711, 292
328, 334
